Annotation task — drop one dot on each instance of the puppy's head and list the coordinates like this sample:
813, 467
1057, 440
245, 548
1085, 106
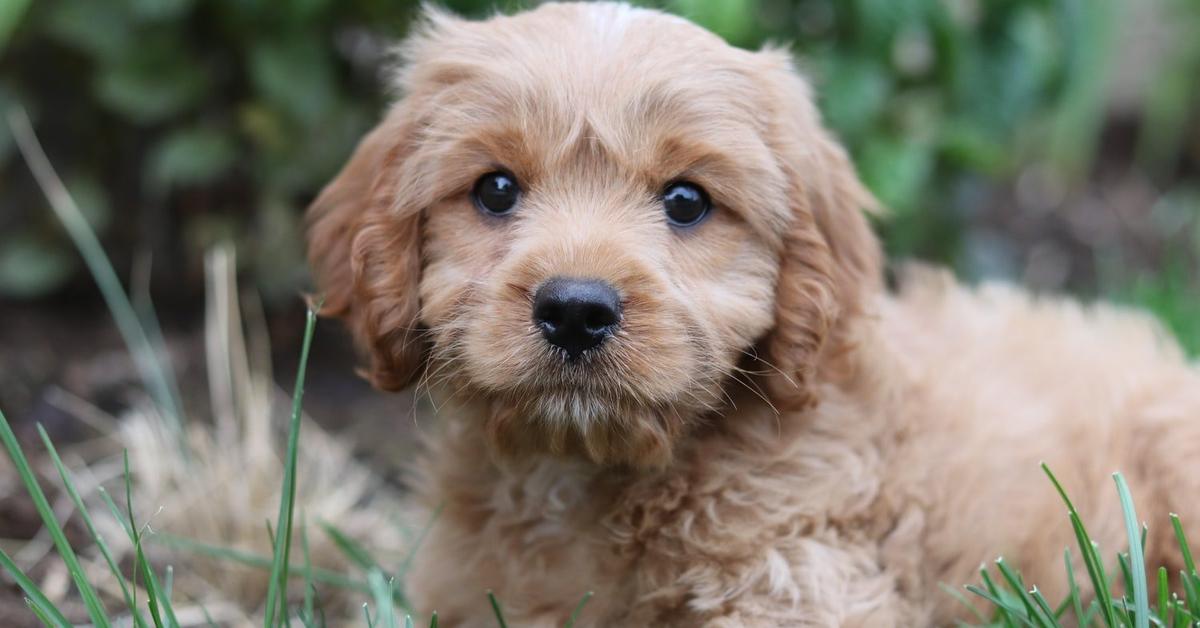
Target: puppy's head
586, 217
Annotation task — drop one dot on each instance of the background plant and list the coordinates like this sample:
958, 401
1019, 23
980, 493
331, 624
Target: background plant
182, 123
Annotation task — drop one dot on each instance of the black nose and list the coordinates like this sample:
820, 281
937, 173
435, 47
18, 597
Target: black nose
576, 314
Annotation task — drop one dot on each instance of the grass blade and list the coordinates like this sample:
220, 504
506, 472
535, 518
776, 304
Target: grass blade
141, 565
1127, 578
157, 376
1164, 596
1005, 610
360, 556
1076, 598
90, 599
249, 559
36, 600
412, 553
1191, 591
153, 591
69, 484
385, 613
1184, 547
1091, 557
1018, 588
962, 599
496, 609
41, 615
354, 552
277, 586
1048, 614
168, 586
309, 587
1137, 559
579, 609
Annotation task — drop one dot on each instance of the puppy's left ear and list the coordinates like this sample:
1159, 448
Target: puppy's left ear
831, 263
364, 248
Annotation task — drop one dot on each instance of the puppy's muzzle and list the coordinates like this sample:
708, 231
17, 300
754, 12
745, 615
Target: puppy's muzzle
576, 315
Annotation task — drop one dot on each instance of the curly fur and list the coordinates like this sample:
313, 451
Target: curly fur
771, 438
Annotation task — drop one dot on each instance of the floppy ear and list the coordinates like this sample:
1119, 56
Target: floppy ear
831, 262
364, 250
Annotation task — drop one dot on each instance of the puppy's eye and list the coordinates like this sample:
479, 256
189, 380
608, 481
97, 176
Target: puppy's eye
685, 203
496, 193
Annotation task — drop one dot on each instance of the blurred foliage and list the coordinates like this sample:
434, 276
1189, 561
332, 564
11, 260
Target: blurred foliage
182, 123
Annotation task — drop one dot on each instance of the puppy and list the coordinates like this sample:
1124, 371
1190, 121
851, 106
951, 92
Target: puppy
632, 270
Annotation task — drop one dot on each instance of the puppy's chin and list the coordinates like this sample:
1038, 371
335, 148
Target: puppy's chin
597, 408
578, 425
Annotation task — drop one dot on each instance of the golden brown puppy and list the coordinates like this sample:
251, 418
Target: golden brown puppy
632, 270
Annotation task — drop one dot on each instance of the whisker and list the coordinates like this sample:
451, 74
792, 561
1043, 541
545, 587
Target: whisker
754, 356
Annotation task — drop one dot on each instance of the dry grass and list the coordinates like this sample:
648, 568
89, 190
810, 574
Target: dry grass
222, 489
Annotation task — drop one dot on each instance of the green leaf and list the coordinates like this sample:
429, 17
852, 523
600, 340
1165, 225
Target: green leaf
1079, 110
155, 81
30, 267
896, 170
157, 10
101, 29
300, 161
968, 146
11, 12
295, 75
733, 20
852, 93
8, 100
875, 22
191, 156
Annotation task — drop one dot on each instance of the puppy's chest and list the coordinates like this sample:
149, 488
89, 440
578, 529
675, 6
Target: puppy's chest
637, 532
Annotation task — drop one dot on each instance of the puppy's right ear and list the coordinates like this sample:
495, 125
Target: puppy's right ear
364, 251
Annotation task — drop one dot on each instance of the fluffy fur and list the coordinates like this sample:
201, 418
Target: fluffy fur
771, 438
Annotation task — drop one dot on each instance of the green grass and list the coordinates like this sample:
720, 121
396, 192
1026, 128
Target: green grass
276, 612
1015, 604
158, 599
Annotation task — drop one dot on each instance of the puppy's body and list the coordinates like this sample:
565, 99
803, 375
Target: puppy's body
914, 472
760, 434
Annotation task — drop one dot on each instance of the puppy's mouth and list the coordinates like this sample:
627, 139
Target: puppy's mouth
600, 374
620, 395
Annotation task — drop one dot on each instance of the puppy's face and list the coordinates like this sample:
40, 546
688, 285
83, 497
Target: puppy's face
585, 217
